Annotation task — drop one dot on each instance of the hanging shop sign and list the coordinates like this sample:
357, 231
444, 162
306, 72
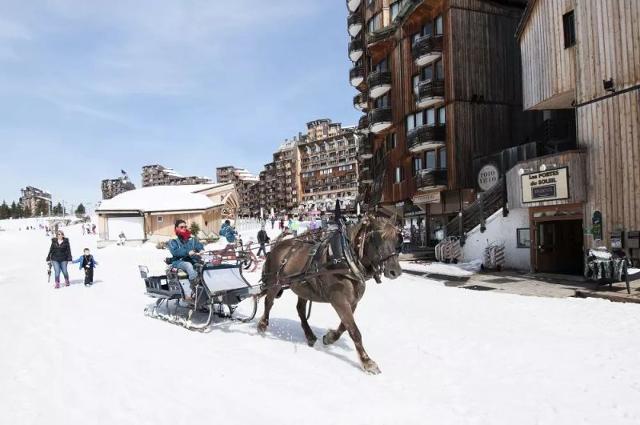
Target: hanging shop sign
548, 185
488, 176
427, 198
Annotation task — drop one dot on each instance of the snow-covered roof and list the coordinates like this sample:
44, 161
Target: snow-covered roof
162, 198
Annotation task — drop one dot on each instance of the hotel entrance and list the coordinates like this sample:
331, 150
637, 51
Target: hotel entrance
557, 240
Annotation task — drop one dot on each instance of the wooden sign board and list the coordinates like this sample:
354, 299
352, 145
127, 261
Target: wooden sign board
548, 185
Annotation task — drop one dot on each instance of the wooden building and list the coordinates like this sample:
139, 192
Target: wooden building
439, 81
583, 58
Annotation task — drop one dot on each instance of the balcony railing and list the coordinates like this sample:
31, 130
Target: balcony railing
430, 93
354, 23
431, 178
380, 119
365, 177
361, 101
352, 5
426, 137
363, 123
365, 150
379, 83
427, 49
356, 75
355, 49
381, 34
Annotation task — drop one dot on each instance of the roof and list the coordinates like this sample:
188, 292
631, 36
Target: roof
163, 198
525, 18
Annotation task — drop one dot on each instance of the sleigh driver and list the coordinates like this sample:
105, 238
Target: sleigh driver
184, 250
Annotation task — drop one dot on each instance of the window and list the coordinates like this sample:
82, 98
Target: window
417, 165
430, 160
439, 26
381, 102
569, 26
395, 8
416, 82
426, 73
439, 70
443, 158
442, 115
375, 23
391, 141
381, 66
160, 219
431, 116
427, 29
399, 175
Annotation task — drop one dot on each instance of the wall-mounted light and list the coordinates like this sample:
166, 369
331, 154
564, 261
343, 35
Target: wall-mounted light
608, 85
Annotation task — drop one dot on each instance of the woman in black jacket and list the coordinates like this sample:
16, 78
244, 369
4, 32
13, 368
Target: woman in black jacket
59, 256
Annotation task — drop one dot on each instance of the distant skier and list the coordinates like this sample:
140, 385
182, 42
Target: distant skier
87, 263
59, 255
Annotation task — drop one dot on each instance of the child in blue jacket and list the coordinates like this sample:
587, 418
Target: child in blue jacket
87, 263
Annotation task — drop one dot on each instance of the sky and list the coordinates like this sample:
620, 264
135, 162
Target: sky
88, 88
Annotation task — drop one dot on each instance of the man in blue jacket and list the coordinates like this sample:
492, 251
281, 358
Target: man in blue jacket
228, 232
183, 248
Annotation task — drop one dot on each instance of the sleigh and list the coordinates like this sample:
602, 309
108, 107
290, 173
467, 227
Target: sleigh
220, 290
234, 254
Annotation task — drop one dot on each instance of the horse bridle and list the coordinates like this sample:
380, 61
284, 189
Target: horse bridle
382, 256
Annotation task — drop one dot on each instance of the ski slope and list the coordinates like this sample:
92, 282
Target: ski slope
81, 355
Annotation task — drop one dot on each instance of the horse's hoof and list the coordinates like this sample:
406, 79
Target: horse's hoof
311, 341
371, 368
262, 327
327, 339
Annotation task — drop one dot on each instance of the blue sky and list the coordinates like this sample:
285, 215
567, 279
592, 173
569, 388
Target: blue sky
91, 87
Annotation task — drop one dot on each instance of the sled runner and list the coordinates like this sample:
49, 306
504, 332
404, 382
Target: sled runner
221, 290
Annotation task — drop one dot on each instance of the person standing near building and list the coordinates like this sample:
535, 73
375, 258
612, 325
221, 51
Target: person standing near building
263, 239
273, 222
59, 256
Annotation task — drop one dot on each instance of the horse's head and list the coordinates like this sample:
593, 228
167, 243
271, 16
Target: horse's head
380, 237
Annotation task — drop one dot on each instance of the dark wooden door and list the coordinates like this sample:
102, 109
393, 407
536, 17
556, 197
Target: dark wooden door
559, 247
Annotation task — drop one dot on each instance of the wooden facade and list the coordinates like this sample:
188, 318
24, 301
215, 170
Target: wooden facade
606, 50
482, 99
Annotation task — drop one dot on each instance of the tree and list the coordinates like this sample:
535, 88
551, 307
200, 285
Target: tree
80, 211
27, 212
194, 229
14, 210
5, 211
57, 210
42, 208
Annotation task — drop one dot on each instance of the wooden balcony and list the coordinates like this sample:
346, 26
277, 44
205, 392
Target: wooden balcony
352, 5
381, 42
361, 102
354, 23
363, 123
379, 83
380, 119
427, 49
426, 137
365, 150
431, 179
430, 93
356, 48
356, 75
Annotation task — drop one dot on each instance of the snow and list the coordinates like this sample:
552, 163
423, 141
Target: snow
81, 355
160, 198
461, 269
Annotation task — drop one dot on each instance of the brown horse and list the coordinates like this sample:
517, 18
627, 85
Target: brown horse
374, 243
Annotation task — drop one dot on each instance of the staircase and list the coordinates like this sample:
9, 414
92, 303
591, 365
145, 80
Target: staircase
476, 214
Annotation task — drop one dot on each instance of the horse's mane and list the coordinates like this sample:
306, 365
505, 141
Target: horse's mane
383, 225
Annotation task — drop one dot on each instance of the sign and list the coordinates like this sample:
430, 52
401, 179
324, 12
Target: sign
548, 185
488, 176
427, 198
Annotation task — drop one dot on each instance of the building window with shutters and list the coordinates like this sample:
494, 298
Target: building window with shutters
569, 26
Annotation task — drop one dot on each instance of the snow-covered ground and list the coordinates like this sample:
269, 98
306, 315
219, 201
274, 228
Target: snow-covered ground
81, 355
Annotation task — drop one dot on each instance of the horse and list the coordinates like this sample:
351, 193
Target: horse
374, 246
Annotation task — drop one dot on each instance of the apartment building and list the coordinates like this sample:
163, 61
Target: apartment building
244, 183
329, 166
113, 187
157, 175
438, 81
32, 196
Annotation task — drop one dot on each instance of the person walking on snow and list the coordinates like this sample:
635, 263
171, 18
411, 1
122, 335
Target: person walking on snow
263, 239
183, 248
87, 263
59, 256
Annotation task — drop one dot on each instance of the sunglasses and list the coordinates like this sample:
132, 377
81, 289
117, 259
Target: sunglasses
182, 227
